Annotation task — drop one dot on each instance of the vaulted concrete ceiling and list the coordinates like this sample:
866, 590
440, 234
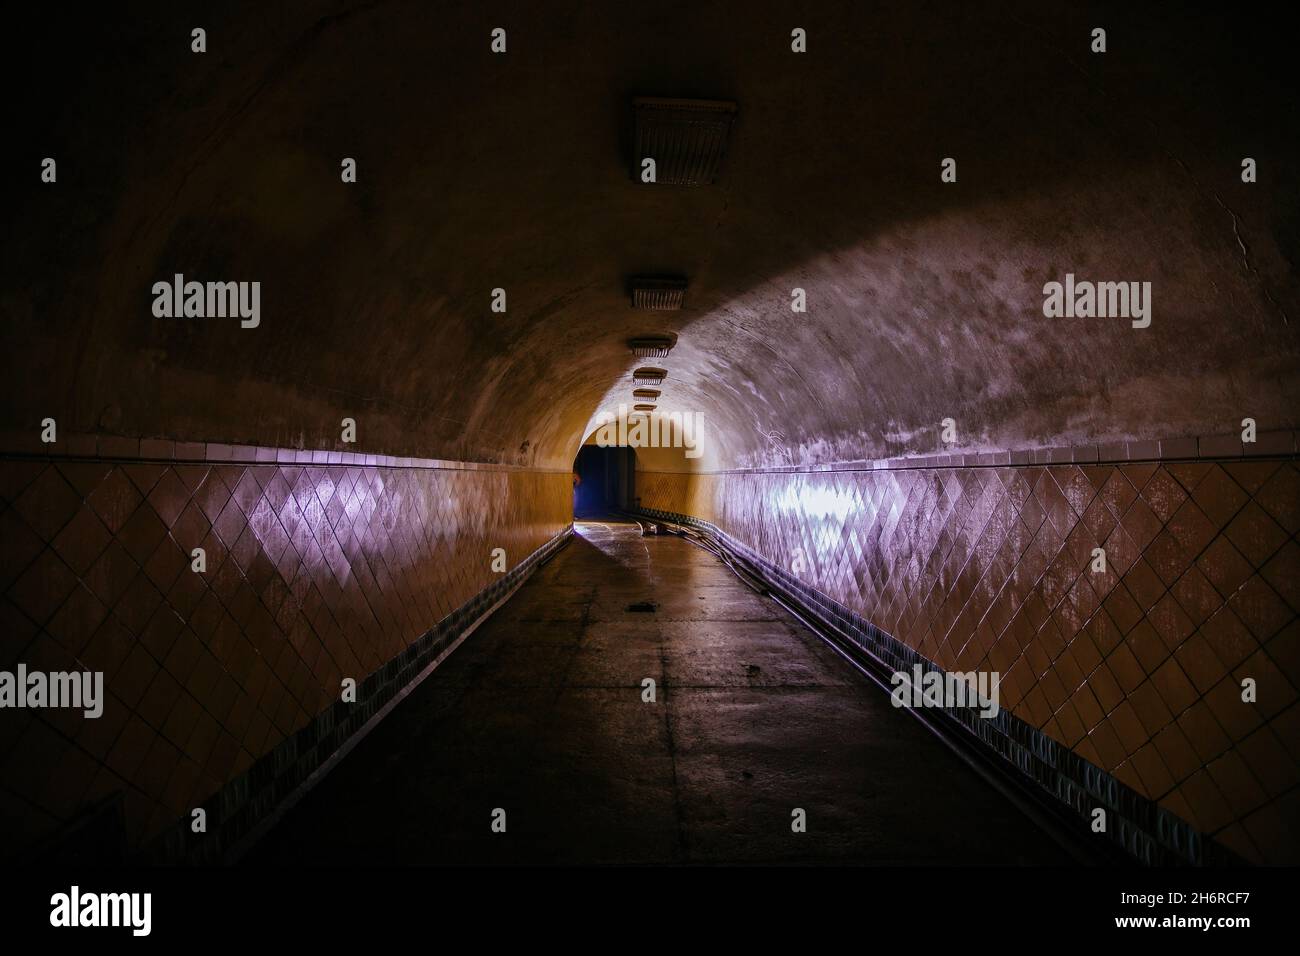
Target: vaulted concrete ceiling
479, 171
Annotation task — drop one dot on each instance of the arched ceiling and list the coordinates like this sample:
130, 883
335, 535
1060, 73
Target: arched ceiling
478, 171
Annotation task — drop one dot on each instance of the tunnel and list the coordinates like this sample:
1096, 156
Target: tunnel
678, 434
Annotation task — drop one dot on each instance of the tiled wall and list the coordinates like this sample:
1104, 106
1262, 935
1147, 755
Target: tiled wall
315, 572
1137, 669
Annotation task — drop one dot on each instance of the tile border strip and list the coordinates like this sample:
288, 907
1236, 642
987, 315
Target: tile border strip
246, 805
1274, 444
145, 450
1271, 444
1148, 833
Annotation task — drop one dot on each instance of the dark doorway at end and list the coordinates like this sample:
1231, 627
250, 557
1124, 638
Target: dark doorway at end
604, 481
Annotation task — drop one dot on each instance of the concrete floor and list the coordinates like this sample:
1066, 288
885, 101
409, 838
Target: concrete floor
540, 713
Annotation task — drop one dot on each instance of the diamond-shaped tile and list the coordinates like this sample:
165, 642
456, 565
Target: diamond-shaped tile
1256, 535
82, 540
115, 500
47, 503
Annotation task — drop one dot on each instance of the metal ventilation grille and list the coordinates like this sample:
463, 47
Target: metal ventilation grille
648, 375
643, 408
685, 138
651, 346
652, 393
658, 294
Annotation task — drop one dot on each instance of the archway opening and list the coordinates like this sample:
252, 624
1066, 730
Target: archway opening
604, 480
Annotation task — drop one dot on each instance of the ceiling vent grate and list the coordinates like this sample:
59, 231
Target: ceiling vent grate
649, 375
685, 138
647, 393
658, 294
651, 346
643, 408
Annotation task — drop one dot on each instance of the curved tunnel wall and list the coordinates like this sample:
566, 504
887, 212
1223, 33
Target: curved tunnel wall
478, 172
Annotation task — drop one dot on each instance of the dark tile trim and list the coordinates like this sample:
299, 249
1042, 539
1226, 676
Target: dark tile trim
240, 807
1137, 825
